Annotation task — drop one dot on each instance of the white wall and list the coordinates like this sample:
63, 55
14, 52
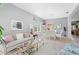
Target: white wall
63, 21
10, 12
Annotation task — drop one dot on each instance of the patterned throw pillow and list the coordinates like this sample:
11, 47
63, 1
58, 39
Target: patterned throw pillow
25, 35
8, 38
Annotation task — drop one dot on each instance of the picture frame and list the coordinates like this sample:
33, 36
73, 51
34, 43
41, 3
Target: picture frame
16, 25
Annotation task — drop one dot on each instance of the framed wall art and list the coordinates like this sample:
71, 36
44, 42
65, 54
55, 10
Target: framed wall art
16, 25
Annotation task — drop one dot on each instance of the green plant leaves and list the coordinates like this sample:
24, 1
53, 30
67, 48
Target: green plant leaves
1, 32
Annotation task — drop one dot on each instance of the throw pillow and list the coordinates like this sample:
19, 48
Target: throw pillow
8, 38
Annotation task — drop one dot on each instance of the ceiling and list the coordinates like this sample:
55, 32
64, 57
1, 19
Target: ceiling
48, 10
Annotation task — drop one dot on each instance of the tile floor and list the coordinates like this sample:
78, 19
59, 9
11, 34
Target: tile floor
52, 47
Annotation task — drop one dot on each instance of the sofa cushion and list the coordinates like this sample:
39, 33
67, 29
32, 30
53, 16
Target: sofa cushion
16, 42
19, 36
25, 35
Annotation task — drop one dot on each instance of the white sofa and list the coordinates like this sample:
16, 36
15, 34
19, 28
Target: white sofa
5, 48
20, 40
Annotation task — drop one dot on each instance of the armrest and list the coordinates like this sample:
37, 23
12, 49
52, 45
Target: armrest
3, 48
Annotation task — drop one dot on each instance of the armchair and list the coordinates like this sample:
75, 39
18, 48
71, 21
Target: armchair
59, 33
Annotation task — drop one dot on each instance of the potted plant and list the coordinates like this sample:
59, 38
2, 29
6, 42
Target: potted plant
1, 34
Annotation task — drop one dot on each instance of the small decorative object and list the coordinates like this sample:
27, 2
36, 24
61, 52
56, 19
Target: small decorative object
1, 33
49, 26
16, 25
44, 22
